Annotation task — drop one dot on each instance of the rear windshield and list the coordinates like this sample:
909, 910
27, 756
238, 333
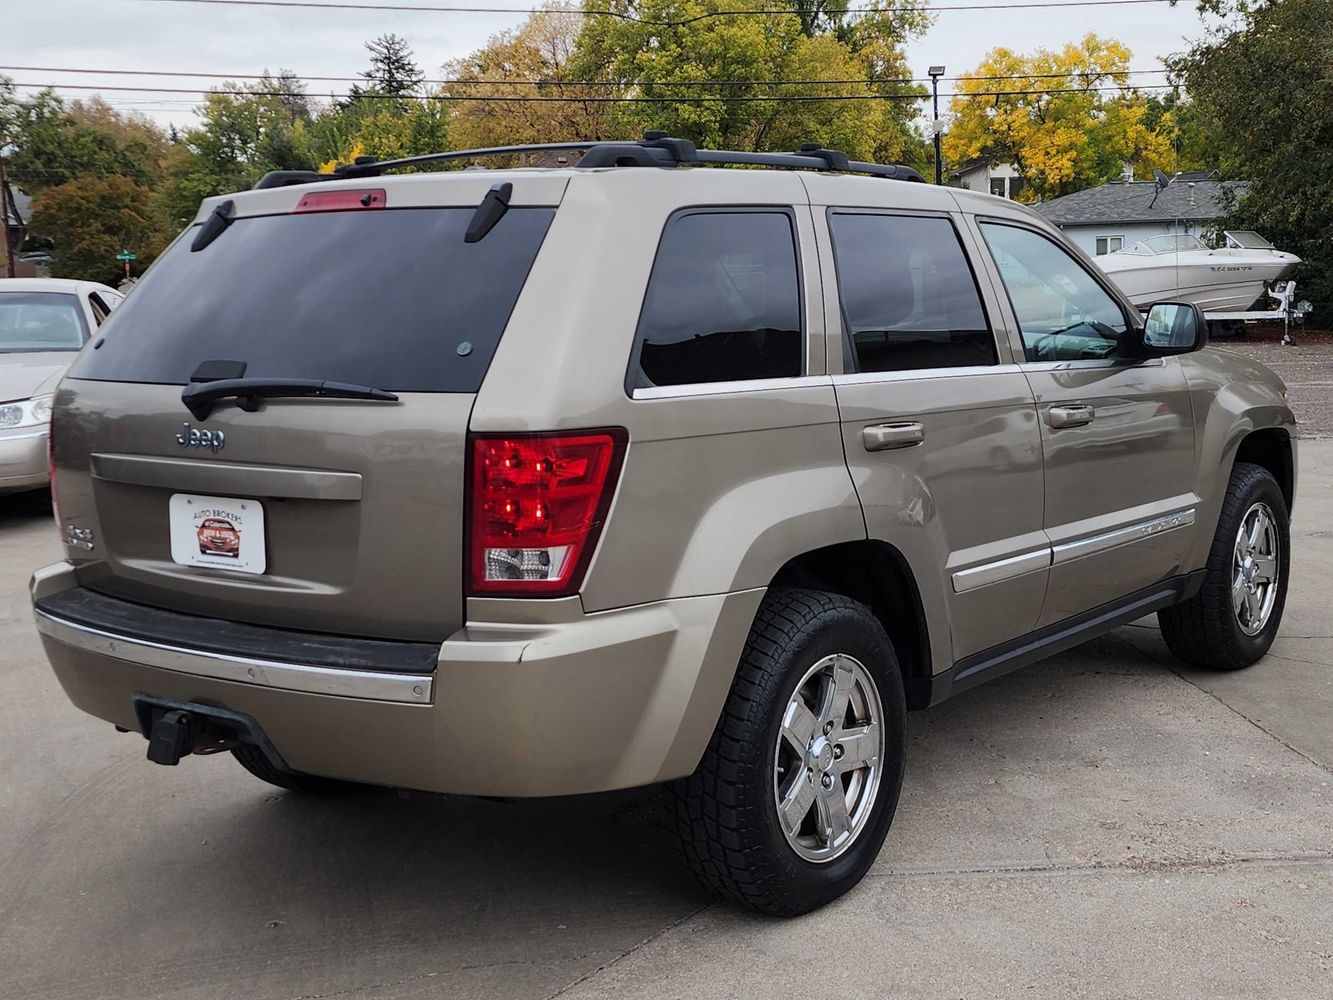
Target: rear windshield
40, 321
390, 298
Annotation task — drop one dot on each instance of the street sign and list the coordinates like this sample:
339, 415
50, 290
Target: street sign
126, 255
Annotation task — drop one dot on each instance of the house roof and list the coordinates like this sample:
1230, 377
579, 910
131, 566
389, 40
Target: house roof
1199, 201
24, 205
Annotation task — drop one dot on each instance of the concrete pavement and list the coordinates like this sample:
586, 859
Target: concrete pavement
1105, 824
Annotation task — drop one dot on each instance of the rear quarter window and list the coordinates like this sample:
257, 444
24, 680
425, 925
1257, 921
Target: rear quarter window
723, 303
390, 298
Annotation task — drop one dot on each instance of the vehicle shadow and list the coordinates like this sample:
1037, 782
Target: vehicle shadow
200, 877
24, 508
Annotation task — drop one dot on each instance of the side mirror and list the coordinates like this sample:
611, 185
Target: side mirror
1172, 328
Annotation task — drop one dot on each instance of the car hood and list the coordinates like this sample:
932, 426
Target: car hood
23, 376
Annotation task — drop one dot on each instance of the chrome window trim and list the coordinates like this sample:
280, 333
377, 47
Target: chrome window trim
1001, 570
1137, 532
914, 374
366, 684
1052, 366
727, 388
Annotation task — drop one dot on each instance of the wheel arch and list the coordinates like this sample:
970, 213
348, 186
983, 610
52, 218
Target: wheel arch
1272, 449
880, 577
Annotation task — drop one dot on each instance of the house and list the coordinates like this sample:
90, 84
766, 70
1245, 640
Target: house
978, 175
1106, 218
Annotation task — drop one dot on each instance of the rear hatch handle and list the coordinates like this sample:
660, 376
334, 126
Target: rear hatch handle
199, 397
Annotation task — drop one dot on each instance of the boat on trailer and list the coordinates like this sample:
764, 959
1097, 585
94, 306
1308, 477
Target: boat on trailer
1182, 267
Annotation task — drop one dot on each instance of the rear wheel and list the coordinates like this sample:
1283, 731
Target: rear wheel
254, 761
794, 796
1235, 616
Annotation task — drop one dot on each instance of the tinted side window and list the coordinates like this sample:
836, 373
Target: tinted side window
1063, 313
723, 302
908, 296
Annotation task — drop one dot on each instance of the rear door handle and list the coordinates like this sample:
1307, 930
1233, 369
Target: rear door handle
1070, 416
883, 437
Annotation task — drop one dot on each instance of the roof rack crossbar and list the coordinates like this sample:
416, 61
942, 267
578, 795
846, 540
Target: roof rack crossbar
657, 149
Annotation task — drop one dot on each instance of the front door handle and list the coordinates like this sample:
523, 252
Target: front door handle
1070, 416
882, 437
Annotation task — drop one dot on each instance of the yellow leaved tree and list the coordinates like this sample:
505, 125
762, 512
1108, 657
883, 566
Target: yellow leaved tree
1067, 120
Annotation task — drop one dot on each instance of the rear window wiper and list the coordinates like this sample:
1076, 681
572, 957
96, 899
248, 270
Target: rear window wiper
199, 397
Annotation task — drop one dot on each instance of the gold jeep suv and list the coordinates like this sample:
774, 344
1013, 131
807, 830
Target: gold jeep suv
550, 481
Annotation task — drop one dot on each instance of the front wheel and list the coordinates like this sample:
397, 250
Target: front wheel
794, 796
1234, 617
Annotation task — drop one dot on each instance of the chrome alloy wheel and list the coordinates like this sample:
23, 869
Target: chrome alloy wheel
1254, 569
826, 766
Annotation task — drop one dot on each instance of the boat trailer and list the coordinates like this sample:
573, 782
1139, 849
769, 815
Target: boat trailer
1283, 294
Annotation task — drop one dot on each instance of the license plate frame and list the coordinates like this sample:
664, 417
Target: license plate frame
217, 532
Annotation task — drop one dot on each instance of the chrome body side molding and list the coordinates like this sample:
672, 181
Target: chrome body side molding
1000, 570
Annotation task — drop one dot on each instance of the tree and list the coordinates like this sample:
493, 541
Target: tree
91, 219
245, 131
1263, 90
53, 142
1048, 113
376, 128
542, 49
392, 73
673, 64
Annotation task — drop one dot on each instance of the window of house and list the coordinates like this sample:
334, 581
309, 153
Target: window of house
1109, 244
1016, 185
909, 299
997, 186
723, 302
1063, 313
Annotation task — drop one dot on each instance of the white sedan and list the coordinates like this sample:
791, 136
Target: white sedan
43, 324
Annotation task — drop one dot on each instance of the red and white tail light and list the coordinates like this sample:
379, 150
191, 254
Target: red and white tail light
536, 505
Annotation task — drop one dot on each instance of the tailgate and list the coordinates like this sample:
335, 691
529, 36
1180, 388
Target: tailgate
328, 515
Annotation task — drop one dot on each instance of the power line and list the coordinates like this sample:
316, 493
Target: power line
763, 98
621, 15
584, 83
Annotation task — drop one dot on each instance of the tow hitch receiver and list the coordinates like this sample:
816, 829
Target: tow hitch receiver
172, 737
177, 729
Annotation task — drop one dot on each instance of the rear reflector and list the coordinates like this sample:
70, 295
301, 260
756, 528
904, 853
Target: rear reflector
537, 503
341, 201
51, 470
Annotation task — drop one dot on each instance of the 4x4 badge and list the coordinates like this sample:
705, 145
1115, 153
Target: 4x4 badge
200, 437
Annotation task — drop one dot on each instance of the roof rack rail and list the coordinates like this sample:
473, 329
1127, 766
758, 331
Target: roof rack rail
656, 149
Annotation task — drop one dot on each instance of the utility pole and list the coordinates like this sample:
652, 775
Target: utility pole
936, 125
5, 201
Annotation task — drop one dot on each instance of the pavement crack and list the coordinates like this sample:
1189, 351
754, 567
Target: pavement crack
1225, 704
1135, 865
630, 951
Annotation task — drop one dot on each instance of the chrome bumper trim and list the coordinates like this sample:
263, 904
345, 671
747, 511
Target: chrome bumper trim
40, 432
370, 685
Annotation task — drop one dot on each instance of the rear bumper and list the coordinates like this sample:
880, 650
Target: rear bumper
23, 460
603, 701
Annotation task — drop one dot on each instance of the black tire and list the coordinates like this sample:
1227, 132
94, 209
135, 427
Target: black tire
253, 760
1204, 631
725, 813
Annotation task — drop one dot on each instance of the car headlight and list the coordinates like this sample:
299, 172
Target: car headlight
26, 412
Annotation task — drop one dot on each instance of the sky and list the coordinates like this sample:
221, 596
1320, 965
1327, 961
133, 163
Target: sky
207, 38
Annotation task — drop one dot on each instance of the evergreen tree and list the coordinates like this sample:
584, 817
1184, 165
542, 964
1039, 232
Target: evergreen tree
392, 73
